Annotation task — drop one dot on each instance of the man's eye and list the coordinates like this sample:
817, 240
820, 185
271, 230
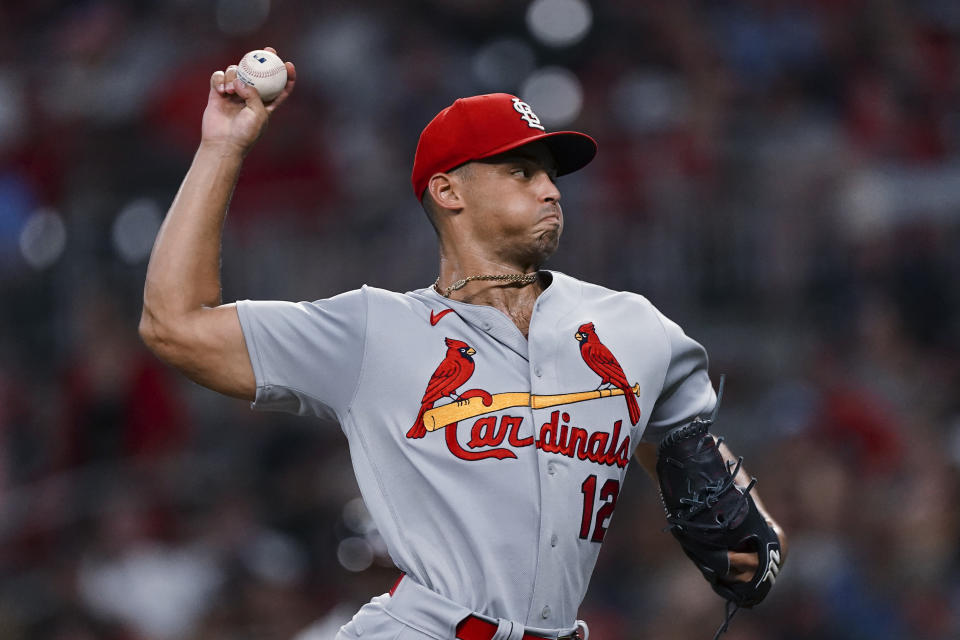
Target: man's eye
519, 171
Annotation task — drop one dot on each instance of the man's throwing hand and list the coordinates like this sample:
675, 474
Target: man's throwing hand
235, 115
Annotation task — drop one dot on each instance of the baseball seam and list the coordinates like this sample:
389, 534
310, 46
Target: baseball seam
245, 67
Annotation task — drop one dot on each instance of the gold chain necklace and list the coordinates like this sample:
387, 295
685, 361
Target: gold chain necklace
517, 278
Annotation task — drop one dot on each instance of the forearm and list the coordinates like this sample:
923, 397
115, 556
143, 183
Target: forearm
184, 270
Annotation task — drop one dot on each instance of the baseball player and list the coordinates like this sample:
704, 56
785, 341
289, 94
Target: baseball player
492, 415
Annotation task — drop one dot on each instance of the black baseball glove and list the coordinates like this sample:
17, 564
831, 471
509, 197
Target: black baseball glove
709, 515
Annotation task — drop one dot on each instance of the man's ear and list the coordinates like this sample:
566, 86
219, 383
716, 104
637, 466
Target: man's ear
445, 192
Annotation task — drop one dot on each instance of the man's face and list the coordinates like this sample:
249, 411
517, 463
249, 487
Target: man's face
513, 204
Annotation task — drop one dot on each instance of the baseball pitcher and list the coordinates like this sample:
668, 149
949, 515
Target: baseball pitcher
492, 414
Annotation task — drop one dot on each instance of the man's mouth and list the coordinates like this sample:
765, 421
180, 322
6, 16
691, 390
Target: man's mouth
551, 214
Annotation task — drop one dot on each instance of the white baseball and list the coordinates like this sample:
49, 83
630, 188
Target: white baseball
263, 71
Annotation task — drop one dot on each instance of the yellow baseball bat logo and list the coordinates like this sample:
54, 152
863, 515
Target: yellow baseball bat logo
440, 417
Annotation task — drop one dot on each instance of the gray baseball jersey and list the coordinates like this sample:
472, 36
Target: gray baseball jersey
491, 463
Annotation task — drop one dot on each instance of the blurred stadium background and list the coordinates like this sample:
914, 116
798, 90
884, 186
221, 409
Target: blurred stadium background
780, 176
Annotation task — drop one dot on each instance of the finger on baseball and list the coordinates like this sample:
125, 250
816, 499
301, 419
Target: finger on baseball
229, 79
249, 94
287, 88
216, 82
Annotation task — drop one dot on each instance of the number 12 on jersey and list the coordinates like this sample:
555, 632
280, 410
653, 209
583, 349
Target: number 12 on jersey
608, 502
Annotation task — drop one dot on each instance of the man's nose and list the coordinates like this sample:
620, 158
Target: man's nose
548, 188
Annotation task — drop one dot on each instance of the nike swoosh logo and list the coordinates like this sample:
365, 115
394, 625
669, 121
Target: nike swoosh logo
435, 317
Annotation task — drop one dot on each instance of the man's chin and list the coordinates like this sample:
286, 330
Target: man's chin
547, 245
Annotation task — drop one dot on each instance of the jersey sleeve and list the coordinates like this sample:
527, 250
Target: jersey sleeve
687, 391
306, 356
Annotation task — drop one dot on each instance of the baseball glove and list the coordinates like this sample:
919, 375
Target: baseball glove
710, 515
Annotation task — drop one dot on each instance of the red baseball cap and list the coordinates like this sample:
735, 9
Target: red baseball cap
478, 127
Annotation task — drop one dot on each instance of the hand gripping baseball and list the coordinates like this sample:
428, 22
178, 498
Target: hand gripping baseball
235, 115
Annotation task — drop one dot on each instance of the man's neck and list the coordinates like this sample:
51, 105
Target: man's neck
515, 299
501, 295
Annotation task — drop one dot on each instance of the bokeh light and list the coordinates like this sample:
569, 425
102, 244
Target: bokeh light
135, 229
559, 23
357, 517
355, 554
43, 238
555, 94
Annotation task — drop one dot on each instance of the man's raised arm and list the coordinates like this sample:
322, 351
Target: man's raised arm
183, 320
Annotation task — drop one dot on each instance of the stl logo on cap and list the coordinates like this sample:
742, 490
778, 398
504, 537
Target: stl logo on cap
526, 113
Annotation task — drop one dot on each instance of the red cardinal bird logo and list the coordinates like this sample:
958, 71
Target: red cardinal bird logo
605, 365
453, 372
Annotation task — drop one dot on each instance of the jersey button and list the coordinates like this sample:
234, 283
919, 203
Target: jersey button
537, 372
553, 540
546, 612
551, 469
